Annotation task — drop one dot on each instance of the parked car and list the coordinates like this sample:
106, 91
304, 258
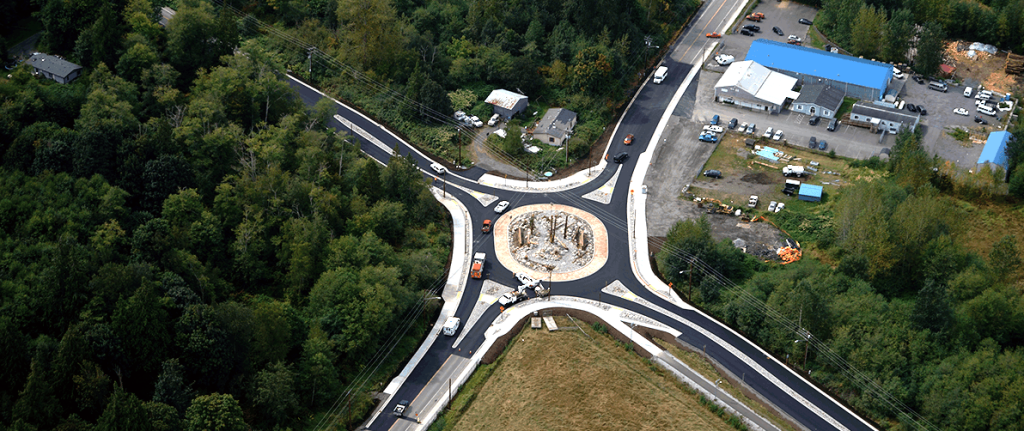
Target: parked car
814, 120
768, 133
778, 31
832, 125
715, 119
628, 140
795, 37
501, 206
493, 120
708, 137
621, 157
751, 128
714, 129
805, 21
746, 32
772, 205
922, 110
968, 91
752, 28
724, 59
732, 123
960, 111
778, 135
979, 120
911, 107
918, 79
743, 127
822, 145
814, 142
476, 121
711, 173
779, 207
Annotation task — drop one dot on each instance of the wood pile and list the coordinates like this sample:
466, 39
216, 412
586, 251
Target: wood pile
1014, 64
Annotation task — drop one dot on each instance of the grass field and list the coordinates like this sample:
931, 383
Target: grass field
565, 380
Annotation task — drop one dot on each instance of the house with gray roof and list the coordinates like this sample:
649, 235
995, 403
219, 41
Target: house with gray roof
507, 103
818, 99
556, 126
54, 68
880, 117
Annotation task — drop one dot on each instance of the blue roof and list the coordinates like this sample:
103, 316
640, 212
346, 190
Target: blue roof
823, 64
810, 190
768, 153
995, 149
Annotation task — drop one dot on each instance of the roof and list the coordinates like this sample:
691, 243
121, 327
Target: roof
52, 64
885, 113
825, 96
823, 64
166, 14
504, 98
810, 190
947, 69
768, 153
555, 122
995, 148
759, 81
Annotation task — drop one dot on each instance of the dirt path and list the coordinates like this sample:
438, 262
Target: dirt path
482, 157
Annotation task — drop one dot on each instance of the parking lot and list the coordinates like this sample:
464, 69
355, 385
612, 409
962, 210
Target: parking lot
847, 140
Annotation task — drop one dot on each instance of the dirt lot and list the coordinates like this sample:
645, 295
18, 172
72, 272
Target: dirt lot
984, 68
565, 380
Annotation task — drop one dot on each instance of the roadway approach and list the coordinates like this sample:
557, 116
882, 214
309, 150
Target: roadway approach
636, 296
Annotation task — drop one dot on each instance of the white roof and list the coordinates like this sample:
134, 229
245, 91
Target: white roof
504, 98
759, 81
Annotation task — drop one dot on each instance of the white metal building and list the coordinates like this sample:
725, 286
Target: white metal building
754, 86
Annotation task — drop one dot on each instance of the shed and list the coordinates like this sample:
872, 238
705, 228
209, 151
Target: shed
53, 67
507, 103
556, 126
857, 77
809, 193
995, 149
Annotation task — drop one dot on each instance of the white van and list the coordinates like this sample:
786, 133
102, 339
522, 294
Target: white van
984, 95
967, 91
450, 326
938, 86
987, 110
660, 74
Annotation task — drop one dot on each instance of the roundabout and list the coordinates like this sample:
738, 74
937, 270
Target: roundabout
551, 242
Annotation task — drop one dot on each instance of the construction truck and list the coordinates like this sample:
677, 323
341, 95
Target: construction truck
794, 171
541, 291
400, 408
790, 252
451, 326
508, 299
477, 270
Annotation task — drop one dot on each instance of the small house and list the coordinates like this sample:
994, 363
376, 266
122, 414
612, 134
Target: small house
817, 99
809, 193
884, 118
507, 103
556, 126
53, 67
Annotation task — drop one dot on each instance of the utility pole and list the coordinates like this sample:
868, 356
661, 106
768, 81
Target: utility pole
309, 55
458, 133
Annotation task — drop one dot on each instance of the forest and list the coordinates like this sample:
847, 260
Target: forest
908, 316
184, 243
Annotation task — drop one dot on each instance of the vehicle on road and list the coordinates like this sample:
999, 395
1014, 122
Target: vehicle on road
511, 298
979, 120
724, 59
822, 145
400, 408
960, 111
628, 140
772, 205
451, 326
778, 135
768, 133
501, 207
778, 31
713, 35
752, 28
660, 74
712, 173
805, 21
621, 157
968, 91
814, 120
794, 171
779, 207
832, 125
715, 119
438, 168
732, 123
752, 203
486, 226
708, 137
477, 269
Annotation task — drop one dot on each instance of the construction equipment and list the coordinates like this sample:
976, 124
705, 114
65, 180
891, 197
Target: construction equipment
477, 270
508, 299
790, 252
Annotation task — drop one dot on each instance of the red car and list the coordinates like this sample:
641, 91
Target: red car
628, 140
713, 35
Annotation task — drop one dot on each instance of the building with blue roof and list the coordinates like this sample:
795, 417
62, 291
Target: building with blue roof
857, 77
809, 193
995, 149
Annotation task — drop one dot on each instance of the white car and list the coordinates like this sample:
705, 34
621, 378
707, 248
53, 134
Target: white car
476, 121
438, 168
724, 59
742, 128
714, 129
780, 207
960, 111
778, 135
897, 73
771, 206
501, 207
768, 133
795, 37
493, 120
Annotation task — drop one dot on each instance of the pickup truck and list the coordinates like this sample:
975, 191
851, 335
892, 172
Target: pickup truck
752, 203
400, 408
509, 299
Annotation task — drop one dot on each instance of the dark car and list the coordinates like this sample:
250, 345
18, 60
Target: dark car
814, 120
918, 79
832, 125
715, 119
621, 157
732, 123
805, 21
778, 31
822, 145
922, 110
814, 142
746, 32
979, 120
711, 173
628, 140
752, 28
911, 107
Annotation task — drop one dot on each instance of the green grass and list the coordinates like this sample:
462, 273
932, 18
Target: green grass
814, 40
846, 107
22, 30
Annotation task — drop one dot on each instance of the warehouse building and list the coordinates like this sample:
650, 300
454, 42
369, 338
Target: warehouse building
856, 77
507, 103
995, 150
754, 86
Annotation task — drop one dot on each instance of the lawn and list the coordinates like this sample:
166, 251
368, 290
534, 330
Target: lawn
566, 380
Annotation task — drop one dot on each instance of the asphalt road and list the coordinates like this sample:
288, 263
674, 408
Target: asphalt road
441, 362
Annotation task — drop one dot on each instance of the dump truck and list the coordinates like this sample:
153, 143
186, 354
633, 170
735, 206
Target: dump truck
477, 270
794, 171
508, 299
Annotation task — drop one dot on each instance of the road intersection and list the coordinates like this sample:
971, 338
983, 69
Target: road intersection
609, 293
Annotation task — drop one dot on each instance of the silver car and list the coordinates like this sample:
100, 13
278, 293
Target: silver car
501, 207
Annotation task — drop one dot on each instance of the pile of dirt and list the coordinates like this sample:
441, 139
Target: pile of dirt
758, 178
983, 67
